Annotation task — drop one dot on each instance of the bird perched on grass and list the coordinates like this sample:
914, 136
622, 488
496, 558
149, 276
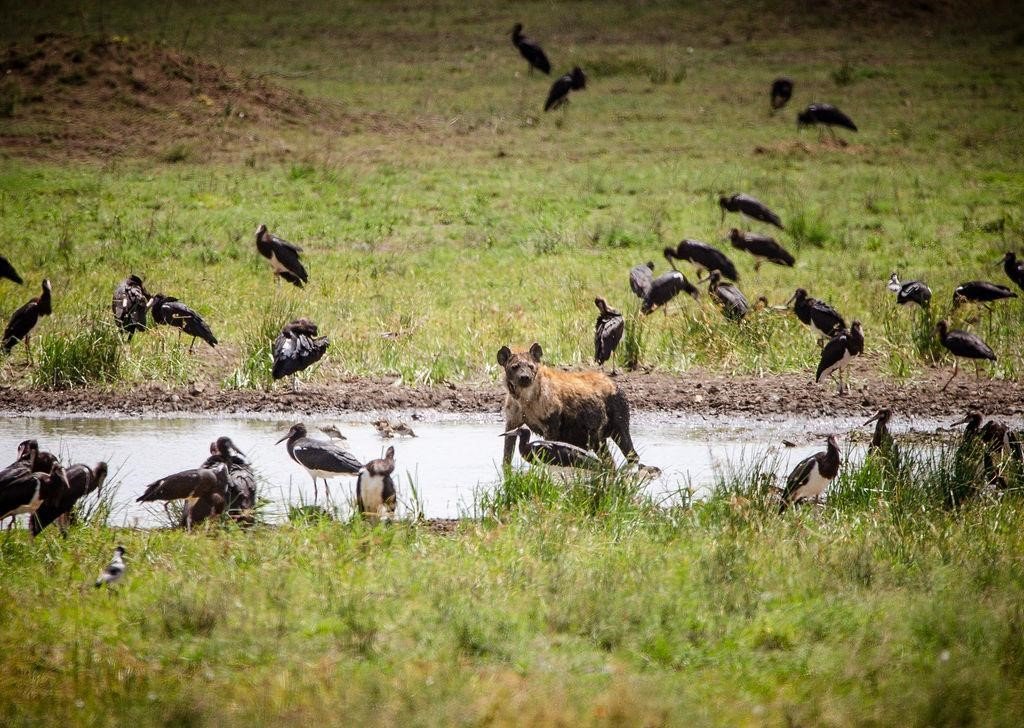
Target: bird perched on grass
764, 248
607, 331
114, 571
550, 452
781, 92
821, 318
640, 279
825, 115
1014, 269
839, 352
320, 458
704, 256
530, 50
666, 287
375, 489
169, 311
910, 291
7, 271
962, 344
81, 481
811, 476
729, 298
297, 348
749, 206
575, 80
23, 320
282, 256
129, 305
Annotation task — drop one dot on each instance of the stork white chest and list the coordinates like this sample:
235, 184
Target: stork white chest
815, 485
370, 491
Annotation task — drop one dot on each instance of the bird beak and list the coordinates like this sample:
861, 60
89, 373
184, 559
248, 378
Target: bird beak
961, 422
704, 279
790, 301
510, 433
149, 303
282, 439
873, 419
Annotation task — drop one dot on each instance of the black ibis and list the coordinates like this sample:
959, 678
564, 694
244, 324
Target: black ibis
38, 461
114, 571
910, 291
19, 328
826, 115
194, 485
749, 206
296, 348
375, 489
549, 452
817, 315
530, 50
640, 279
320, 458
1014, 269
282, 256
607, 331
24, 491
731, 300
764, 248
882, 442
7, 271
839, 352
704, 256
575, 80
169, 311
82, 480
982, 451
962, 344
812, 475
666, 287
980, 292
781, 93
129, 305
240, 493
388, 429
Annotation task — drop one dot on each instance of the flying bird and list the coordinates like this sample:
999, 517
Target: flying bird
375, 489
839, 352
114, 571
910, 291
749, 206
817, 315
826, 115
530, 50
297, 348
130, 304
170, 311
704, 256
7, 271
321, 458
962, 344
22, 321
781, 92
1014, 269
640, 279
575, 80
607, 331
731, 300
282, 256
811, 476
666, 287
764, 248
550, 452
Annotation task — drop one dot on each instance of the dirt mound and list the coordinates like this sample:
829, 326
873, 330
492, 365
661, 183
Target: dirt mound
67, 96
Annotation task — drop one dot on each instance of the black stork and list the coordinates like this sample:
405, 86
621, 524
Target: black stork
193, 485
821, 318
114, 571
240, 493
375, 488
749, 206
781, 92
980, 292
530, 50
282, 256
320, 458
986, 445
812, 475
574, 80
705, 257
666, 287
731, 300
169, 311
549, 452
826, 115
607, 331
7, 271
130, 304
1014, 269
19, 328
24, 491
764, 248
839, 352
38, 461
962, 344
640, 279
297, 348
82, 480
910, 291
882, 442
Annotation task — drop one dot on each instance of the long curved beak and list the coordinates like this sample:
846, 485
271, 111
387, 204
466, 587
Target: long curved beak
790, 301
510, 433
149, 303
281, 440
964, 421
873, 419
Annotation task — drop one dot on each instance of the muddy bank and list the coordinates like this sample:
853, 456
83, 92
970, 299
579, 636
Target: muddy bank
694, 392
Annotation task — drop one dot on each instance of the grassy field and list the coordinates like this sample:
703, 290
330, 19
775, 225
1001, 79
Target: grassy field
454, 216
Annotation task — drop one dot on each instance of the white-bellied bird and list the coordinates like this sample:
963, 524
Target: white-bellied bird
811, 476
282, 256
114, 571
840, 350
607, 331
375, 489
321, 458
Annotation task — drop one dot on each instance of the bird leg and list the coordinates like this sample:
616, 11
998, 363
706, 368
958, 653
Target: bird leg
315, 495
28, 346
757, 266
956, 366
192, 345
295, 383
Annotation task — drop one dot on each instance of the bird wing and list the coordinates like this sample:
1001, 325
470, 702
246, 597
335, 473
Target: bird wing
607, 334
288, 255
292, 354
534, 54
7, 271
640, 279
826, 318
769, 248
196, 482
756, 209
968, 345
278, 243
799, 476
559, 90
325, 456
16, 491
733, 301
181, 316
20, 324
832, 353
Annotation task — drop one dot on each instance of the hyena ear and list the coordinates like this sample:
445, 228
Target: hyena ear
503, 354
536, 352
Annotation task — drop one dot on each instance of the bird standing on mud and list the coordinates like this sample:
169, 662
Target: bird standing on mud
130, 304
114, 571
839, 352
764, 248
607, 331
530, 50
297, 348
282, 256
962, 344
375, 489
750, 207
22, 321
169, 311
811, 476
558, 97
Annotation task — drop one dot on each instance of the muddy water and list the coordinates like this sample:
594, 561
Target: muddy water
453, 459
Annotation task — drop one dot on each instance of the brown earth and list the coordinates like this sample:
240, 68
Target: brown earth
696, 393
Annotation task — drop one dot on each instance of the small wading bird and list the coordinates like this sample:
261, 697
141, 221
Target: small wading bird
388, 429
812, 475
19, 328
169, 311
729, 298
882, 442
24, 491
129, 305
297, 348
704, 256
825, 115
320, 458
910, 291
839, 352
7, 271
764, 248
282, 256
666, 287
821, 318
114, 571
640, 279
549, 452
962, 344
558, 97
375, 490
196, 484
781, 92
530, 50
81, 480
750, 207
1014, 269
607, 332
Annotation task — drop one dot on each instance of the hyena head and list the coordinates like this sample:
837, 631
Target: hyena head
520, 368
